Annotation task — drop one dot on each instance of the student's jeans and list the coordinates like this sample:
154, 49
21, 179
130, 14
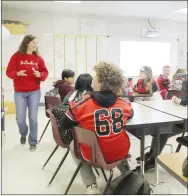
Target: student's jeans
22, 101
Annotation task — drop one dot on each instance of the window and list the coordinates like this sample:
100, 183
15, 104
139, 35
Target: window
135, 54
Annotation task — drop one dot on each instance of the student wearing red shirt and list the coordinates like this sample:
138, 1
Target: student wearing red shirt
146, 84
106, 116
65, 85
163, 80
27, 69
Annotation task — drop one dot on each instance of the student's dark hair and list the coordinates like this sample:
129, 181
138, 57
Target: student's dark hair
83, 82
67, 73
23, 46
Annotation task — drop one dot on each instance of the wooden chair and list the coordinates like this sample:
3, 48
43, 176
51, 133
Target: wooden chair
50, 102
59, 142
89, 138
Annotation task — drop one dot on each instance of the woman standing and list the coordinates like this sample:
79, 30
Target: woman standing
27, 69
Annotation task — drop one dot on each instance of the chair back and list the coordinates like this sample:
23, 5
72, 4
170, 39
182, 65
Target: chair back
172, 93
55, 130
51, 102
89, 138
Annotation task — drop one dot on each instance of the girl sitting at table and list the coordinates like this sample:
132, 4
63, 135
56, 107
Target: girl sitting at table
146, 85
82, 86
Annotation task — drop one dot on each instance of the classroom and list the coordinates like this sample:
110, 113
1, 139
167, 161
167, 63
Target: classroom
94, 98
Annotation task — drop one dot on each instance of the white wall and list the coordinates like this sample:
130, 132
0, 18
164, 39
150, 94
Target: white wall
121, 28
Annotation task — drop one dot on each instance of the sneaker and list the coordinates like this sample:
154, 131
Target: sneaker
147, 157
32, 148
22, 140
92, 190
148, 166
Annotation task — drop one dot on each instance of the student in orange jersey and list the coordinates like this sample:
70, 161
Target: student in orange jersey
106, 116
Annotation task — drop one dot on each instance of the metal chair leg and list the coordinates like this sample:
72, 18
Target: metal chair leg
73, 177
44, 131
59, 166
97, 172
50, 156
179, 145
104, 174
108, 182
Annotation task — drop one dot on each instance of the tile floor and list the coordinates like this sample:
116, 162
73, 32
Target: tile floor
22, 174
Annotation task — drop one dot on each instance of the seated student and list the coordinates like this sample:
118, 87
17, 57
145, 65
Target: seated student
146, 85
65, 85
82, 86
103, 112
177, 79
163, 80
176, 83
183, 100
176, 129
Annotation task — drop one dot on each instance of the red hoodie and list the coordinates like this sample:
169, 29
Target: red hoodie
64, 88
26, 62
163, 82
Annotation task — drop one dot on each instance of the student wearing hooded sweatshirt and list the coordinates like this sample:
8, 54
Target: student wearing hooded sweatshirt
66, 84
106, 116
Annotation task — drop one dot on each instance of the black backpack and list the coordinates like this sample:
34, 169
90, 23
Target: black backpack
130, 183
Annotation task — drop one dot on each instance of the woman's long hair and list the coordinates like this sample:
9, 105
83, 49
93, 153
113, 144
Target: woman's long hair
23, 46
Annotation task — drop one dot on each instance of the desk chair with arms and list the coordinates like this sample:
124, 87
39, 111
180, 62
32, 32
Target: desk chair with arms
50, 102
89, 138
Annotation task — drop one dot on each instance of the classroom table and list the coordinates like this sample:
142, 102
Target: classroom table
168, 107
148, 121
173, 163
136, 95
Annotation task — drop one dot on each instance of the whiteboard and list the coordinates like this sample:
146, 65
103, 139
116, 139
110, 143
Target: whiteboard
59, 54
91, 54
70, 52
102, 48
46, 47
80, 55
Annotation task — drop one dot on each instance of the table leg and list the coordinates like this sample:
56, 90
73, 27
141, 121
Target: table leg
142, 156
157, 153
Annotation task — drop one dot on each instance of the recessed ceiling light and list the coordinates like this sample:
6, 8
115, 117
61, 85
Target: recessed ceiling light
182, 11
68, 1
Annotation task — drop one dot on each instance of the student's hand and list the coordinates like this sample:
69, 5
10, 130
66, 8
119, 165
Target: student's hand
21, 73
36, 73
176, 100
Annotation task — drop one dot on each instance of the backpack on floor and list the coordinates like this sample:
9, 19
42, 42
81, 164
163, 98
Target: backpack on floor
130, 183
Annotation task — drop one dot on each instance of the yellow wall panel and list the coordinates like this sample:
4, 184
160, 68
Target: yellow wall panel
15, 29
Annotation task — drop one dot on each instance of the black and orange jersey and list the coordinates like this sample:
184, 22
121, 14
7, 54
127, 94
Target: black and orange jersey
107, 123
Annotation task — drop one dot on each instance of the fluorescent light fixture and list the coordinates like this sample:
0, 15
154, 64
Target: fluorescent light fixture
182, 11
68, 1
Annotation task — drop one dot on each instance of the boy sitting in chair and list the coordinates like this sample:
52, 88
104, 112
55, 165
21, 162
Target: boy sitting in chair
104, 113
